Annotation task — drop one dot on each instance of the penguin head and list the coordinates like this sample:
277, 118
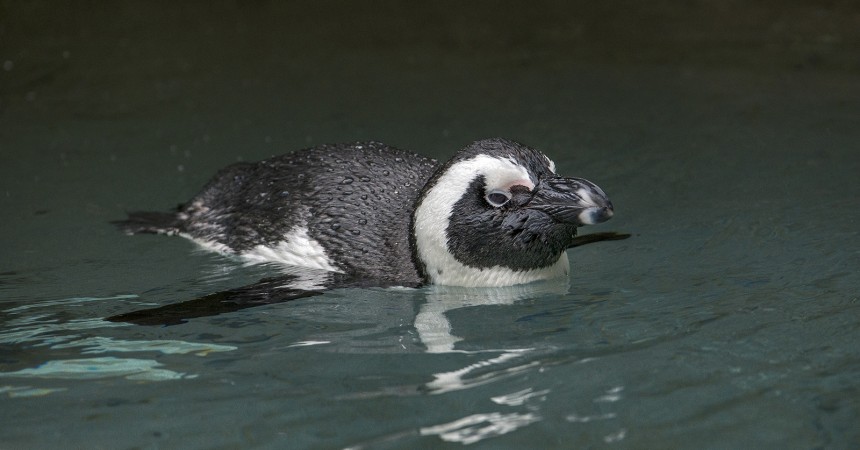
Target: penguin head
497, 214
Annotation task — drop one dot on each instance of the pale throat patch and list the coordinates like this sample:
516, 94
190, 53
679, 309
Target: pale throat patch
497, 276
434, 212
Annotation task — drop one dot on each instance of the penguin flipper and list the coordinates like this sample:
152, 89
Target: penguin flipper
597, 237
267, 291
149, 222
264, 292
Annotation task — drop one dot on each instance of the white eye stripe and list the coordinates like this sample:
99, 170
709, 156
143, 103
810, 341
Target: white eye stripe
433, 213
504, 173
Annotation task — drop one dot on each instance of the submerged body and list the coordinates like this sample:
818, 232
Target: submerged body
338, 208
496, 214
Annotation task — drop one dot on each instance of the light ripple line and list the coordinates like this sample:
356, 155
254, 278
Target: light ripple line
519, 397
96, 368
35, 332
478, 427
169, 347
308, 343
455, 380
66, 301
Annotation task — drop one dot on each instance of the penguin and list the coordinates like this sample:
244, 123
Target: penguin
369, 214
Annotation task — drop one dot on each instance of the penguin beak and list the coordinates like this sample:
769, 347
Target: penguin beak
572, 200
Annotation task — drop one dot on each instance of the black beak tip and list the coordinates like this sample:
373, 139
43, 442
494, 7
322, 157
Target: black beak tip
574, 201
598, 215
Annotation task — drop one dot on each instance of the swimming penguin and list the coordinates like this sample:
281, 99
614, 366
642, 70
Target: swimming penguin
495, 214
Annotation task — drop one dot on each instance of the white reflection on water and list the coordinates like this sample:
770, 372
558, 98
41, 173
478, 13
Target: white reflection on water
611, 395
435, 332
520, 397
585, 419
616, 436
476, 427
456, 380
307, 343
433, 326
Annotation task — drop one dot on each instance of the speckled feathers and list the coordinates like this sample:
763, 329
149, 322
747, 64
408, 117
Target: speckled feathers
495, 214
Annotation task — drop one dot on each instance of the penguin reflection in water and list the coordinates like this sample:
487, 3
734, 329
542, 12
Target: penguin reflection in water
371, 215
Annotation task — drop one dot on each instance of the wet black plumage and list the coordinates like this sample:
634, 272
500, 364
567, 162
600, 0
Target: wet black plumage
358, 202
356, 199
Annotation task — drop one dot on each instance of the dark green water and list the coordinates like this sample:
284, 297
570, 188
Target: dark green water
729, 320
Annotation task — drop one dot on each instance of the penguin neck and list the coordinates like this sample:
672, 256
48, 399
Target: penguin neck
450, 272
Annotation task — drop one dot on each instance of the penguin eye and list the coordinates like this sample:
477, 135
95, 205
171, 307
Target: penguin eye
498, 197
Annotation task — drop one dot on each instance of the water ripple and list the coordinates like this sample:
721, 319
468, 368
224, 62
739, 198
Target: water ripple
100, 344
30, 327
40, 330
66, 301
95, 368
477, 427
520, 397
460, 379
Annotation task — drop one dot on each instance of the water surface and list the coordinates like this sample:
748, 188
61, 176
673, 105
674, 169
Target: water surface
729, 319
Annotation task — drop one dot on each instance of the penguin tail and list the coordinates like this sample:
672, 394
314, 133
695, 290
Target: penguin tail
149, 222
